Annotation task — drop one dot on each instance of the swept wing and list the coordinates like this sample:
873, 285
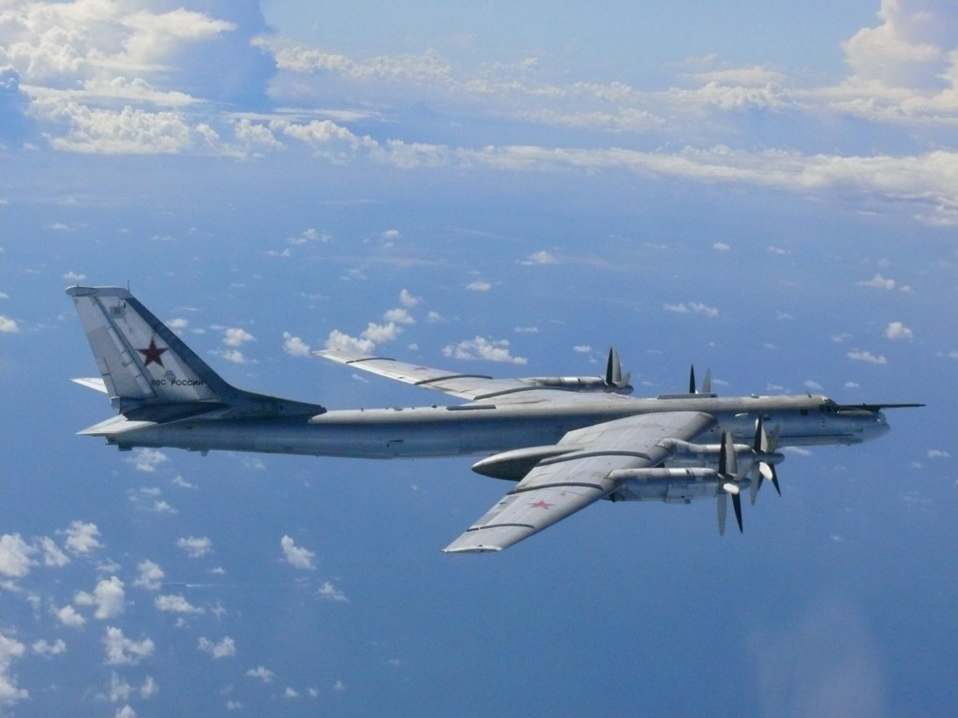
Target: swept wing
559, 486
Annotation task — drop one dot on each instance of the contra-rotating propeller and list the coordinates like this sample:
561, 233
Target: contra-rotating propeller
706, 382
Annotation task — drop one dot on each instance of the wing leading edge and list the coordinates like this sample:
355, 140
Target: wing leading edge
558, 487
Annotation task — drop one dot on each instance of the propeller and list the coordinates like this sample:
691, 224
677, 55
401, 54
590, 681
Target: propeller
613, 372
731, 483
764, 444
706, 382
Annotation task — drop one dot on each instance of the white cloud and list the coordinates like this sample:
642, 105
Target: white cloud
398, 316
82, 538
380, 333
10, 650
109, 597
171, 603
582, 349
938, 454
408, 300
178, 324
373, 334
541, 257
296, 555
150, 576
344, 342
261, 672
147, 460
897, 330
295, 346
721, 247
224, 649
330, 593
47, 650
234, 356
195, 547
290, 693
691, 307
496, 350
866, 356
122, 651
8, 325
15, 561
878, 282
479, 286
70, 617
235, 337
74, 277
53, 556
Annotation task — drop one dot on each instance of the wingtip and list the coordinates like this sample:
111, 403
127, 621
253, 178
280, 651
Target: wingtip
476, 548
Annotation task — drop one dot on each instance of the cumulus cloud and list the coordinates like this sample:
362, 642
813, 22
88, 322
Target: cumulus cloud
408, 300
496, 350
147, 460
8, 325
479, 286
10, 650
109, 598
878, 282
329, 592
235, 337
82, 538
262, 673
122, 651
175, 603
70, 617
897, 330
866, 356
195, 547
224, 649
15, 553
692, 307
48, 650
297, 555
294, 346
150, 576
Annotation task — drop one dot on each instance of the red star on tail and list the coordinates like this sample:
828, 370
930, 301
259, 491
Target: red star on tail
153, 354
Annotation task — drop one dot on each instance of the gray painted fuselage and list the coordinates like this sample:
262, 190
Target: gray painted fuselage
473, 429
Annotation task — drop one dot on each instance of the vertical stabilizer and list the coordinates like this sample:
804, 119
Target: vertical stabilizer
140, 359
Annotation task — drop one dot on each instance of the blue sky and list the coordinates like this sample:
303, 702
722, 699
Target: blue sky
767, 192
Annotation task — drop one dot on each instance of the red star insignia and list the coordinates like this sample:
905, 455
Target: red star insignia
541, 505
153, 354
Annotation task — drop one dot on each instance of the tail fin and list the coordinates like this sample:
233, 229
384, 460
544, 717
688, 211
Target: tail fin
141, 360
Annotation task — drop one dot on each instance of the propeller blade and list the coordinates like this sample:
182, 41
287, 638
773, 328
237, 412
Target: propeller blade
613, 370
737, 505
707, 382
692, 380
728, 462
774, 480
722, 503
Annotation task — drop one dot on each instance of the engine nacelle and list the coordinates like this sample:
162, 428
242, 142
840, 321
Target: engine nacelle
673, 486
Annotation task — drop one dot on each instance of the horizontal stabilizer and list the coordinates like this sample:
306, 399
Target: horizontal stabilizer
92, 383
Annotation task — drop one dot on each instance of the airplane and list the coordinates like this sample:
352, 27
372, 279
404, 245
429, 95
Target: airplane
564, 442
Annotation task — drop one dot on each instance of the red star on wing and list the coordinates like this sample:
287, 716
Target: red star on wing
541, 505
153, 354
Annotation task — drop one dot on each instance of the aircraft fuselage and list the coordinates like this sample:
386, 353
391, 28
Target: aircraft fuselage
485, 428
